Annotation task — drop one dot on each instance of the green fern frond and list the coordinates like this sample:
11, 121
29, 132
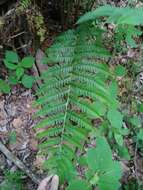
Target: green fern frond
117, 15
24, 4
66, 97
127, 21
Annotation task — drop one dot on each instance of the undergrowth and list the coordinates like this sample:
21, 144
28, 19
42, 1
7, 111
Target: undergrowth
79, 100
12, 181
83, 126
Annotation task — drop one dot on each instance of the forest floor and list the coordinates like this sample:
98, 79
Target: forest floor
17, 123
16, 131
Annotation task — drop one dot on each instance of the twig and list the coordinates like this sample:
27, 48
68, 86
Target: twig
18, 163
16, 35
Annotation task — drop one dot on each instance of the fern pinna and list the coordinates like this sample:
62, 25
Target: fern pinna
68, 94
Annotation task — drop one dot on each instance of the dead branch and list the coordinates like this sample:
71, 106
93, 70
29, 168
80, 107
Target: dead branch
18, 163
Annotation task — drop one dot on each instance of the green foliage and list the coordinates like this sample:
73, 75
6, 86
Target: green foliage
27, 81
13, 137
140, 107
11, 57
133, 185
128, 33
120, 71
78, 184
12, 181
117, 15
115, 118
123, 152
78, 101
100, 163
140, 135
18, 67
27, 62
71, 88
125, 19
78, 98
4, 87
101, 170
23, 4
137, 131
135, 121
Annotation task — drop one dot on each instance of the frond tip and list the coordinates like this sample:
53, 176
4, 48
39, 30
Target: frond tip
117, 15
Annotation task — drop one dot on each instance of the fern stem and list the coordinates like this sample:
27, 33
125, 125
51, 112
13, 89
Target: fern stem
65, 117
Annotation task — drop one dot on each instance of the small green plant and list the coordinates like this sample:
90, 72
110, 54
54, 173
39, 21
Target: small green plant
4, 87
12, 181
17, 69
125, 20
101, 170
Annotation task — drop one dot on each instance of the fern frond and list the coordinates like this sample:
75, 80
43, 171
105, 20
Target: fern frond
117, 15
66, 97
24, 4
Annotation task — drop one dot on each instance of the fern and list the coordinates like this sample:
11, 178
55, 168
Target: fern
125, 19
127, 15
24, 4
70, 87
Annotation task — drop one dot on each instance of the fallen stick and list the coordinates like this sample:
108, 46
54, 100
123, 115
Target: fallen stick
18, 163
